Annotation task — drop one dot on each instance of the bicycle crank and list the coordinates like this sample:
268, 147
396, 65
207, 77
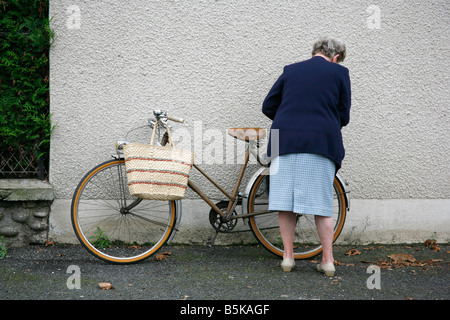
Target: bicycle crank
218, 223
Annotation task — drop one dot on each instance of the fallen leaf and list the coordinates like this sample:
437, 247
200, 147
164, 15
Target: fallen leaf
435, 248
160, 257
352, 252
429, 242
432, 244
105, 286
402, 257
163, 255
384, 264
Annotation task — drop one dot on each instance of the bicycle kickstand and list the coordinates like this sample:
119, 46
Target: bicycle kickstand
211, 240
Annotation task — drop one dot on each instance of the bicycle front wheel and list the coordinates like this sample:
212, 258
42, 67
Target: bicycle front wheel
306, 240
115, 226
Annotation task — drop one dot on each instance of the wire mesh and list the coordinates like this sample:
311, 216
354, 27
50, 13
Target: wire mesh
22, 163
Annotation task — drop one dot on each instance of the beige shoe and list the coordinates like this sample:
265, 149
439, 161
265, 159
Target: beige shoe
327, 268
287, 264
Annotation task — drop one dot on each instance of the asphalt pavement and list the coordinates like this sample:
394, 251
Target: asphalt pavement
247, 276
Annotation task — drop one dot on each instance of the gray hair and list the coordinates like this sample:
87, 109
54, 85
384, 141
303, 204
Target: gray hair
330, 47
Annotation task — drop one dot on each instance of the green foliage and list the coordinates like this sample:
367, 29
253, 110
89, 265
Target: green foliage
100, 239
25, 38
3, 247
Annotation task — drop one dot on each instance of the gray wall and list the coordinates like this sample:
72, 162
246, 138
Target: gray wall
213, 62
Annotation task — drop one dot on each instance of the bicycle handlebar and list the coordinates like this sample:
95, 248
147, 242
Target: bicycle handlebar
162, 114
176, 119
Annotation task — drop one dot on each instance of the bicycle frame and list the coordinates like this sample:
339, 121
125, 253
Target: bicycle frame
234, 196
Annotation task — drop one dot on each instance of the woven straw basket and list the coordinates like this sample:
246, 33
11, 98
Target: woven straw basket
155, 172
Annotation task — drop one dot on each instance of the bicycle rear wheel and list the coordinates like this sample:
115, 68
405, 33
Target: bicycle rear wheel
115, 226
306, 240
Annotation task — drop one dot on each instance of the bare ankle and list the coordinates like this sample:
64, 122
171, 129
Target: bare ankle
328, 260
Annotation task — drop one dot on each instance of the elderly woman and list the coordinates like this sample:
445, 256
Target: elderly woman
309, 104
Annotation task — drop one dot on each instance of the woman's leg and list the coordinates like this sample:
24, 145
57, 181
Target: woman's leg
286, 221
325, 228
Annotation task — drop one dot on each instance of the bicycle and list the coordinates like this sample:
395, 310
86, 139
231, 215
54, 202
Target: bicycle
118, 228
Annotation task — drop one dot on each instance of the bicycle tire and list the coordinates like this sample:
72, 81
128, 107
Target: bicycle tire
306, 241
113, 225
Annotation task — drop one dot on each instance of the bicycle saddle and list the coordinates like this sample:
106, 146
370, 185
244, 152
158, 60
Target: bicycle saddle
247, 134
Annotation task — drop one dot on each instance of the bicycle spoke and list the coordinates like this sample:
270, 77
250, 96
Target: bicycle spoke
148, 220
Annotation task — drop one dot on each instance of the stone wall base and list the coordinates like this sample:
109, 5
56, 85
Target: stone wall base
24, 211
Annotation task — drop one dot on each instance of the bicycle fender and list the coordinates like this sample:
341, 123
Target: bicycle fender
344, 185
178, 212
249, 186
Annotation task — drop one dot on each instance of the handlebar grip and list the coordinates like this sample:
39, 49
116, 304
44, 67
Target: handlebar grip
176, 119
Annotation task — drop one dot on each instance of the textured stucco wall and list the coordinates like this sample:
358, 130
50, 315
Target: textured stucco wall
212, 63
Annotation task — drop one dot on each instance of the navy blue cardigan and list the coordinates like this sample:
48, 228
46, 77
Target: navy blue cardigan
309, 104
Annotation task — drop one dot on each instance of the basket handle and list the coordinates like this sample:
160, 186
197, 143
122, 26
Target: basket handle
168, 133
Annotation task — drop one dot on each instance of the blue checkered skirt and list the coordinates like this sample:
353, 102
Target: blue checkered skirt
302, 183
